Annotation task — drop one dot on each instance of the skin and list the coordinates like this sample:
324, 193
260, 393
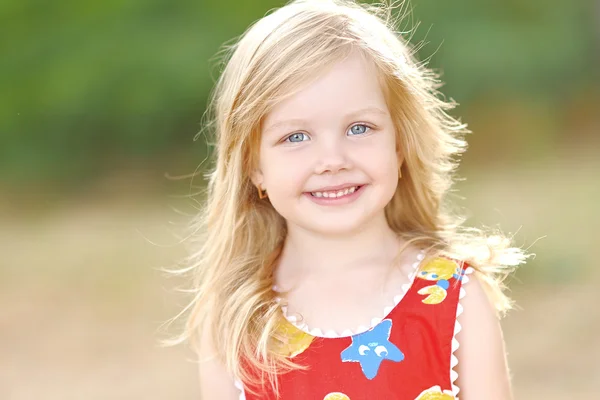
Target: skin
337, 130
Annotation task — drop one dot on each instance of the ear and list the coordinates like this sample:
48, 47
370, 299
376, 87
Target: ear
257, 177
400, 157
399, 152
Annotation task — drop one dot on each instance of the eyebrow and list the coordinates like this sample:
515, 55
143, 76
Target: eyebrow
368, 110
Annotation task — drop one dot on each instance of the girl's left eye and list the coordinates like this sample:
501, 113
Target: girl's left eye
359, 129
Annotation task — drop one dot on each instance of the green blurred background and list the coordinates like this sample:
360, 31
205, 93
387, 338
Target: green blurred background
99, 105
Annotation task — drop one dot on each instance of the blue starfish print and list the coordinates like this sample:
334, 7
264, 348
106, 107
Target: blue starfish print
370, 348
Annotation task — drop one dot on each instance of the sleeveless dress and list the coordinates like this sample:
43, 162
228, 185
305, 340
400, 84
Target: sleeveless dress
406, 355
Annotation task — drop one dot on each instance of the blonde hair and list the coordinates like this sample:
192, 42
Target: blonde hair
237, 237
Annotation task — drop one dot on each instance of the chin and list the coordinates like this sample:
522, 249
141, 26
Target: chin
335, 227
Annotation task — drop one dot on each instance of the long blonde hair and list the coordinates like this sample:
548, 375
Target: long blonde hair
237, 237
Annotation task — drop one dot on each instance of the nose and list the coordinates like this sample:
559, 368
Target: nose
332, 153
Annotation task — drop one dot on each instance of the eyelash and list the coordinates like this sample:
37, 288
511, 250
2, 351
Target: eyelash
359, 124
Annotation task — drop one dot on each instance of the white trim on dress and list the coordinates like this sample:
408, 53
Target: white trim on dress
457, 328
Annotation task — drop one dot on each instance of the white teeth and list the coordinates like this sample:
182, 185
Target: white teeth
335, 194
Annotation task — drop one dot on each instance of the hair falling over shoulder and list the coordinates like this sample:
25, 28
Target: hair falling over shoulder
237, 237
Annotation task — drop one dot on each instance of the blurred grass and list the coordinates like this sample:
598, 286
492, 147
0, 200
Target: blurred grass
82, 299
82, 302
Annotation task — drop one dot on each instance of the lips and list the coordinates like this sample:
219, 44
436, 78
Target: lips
336, 193
350, 197
336, 188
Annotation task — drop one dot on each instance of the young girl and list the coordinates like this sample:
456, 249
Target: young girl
329, 264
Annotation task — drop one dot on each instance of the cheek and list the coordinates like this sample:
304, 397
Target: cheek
383, 169
383, 162
285, 175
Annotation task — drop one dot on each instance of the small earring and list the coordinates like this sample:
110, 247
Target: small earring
261, 194
399, 172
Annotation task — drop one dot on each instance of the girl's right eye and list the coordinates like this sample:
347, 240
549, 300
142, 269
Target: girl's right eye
295, 136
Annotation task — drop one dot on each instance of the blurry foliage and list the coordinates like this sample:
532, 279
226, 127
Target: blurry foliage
512, 46
89, 86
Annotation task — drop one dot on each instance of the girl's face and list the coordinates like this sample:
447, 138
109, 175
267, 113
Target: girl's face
336, 131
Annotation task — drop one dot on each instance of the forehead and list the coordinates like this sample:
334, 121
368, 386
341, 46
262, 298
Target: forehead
348, 85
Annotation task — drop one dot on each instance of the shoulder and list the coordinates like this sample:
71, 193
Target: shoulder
482, 367
214, 378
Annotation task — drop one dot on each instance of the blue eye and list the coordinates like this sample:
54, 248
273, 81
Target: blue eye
359, 129
296, 135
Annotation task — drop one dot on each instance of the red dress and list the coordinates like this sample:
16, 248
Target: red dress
407, 355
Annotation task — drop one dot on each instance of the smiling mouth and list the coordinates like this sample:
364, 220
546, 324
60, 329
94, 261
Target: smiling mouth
333, 194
